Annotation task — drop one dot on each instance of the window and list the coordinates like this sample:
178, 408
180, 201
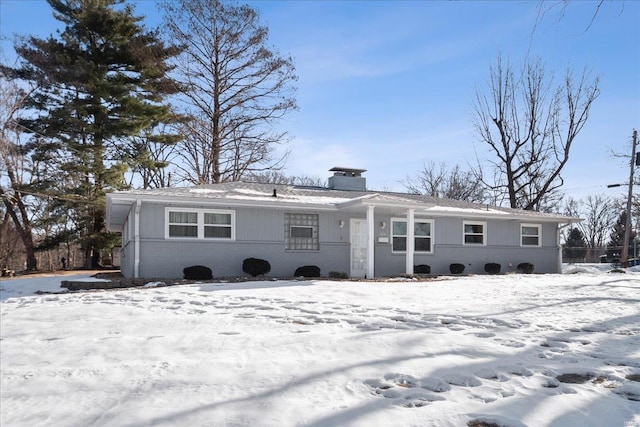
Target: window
217, 225
422, 230
530, 234
301, 232
199, 224
474, 233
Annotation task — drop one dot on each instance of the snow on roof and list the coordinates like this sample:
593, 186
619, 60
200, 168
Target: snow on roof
326, 197
466, 210
247, 194
204, 190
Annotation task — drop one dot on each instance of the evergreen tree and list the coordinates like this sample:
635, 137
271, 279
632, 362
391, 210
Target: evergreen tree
576, 246
100, 82
616, 238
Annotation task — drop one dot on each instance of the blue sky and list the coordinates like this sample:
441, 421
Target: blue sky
386, 86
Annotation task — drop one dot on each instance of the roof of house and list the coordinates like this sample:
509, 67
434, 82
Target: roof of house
236, 194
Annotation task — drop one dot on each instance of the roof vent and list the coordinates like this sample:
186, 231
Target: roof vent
347, 179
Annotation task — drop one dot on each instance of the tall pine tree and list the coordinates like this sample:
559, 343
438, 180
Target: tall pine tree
575, 249
101, 81
616, 238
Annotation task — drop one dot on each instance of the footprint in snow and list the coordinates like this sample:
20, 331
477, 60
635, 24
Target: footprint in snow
491, 374
518, 370
509, 343
482, 334
462, 380
404, 390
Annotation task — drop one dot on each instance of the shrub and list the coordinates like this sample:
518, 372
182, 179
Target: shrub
197, 272
492, 268
307, 271
456, 268
256, 266
525, 267
421, 269
338, 275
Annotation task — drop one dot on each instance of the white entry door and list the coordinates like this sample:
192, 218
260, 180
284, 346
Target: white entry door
358, 239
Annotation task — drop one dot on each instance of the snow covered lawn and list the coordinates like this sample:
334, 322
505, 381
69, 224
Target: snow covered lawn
503, 349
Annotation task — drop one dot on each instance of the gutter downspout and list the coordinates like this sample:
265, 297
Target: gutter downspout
136, 240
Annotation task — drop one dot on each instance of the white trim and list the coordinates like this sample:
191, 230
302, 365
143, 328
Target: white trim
200, 223
484, 233
539, 227
417, 220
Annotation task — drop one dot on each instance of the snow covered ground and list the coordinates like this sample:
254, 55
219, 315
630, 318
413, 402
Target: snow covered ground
506, 350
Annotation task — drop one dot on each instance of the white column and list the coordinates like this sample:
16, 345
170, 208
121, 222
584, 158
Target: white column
410, 241
136, 240
370, 243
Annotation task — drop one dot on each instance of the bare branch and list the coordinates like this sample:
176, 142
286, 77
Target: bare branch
236, 90
529, 124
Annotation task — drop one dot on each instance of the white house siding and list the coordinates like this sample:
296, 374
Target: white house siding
260, 233
503, 247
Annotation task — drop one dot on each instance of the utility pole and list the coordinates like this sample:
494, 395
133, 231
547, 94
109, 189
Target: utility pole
624, 256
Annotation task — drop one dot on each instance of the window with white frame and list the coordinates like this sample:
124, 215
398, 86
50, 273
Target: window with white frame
199, 224
475, 233
301, 232
422, 230
530, 234
217, 225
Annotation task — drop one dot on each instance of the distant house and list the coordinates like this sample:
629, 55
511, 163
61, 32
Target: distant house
341, 228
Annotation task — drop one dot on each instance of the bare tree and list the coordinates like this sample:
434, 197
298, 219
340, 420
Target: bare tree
277, 177
529, 124
236, 89
15, 170
547, 7
438, 180
11, 248
599, 213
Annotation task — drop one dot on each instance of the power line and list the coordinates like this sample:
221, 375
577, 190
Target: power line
50, 196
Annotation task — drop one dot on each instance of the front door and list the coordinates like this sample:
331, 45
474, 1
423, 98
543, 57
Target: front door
358, 239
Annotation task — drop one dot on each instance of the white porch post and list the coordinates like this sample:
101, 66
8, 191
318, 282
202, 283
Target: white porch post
136, 240
410, 241
370, 243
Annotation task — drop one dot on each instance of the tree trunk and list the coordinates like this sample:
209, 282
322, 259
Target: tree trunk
24, 231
